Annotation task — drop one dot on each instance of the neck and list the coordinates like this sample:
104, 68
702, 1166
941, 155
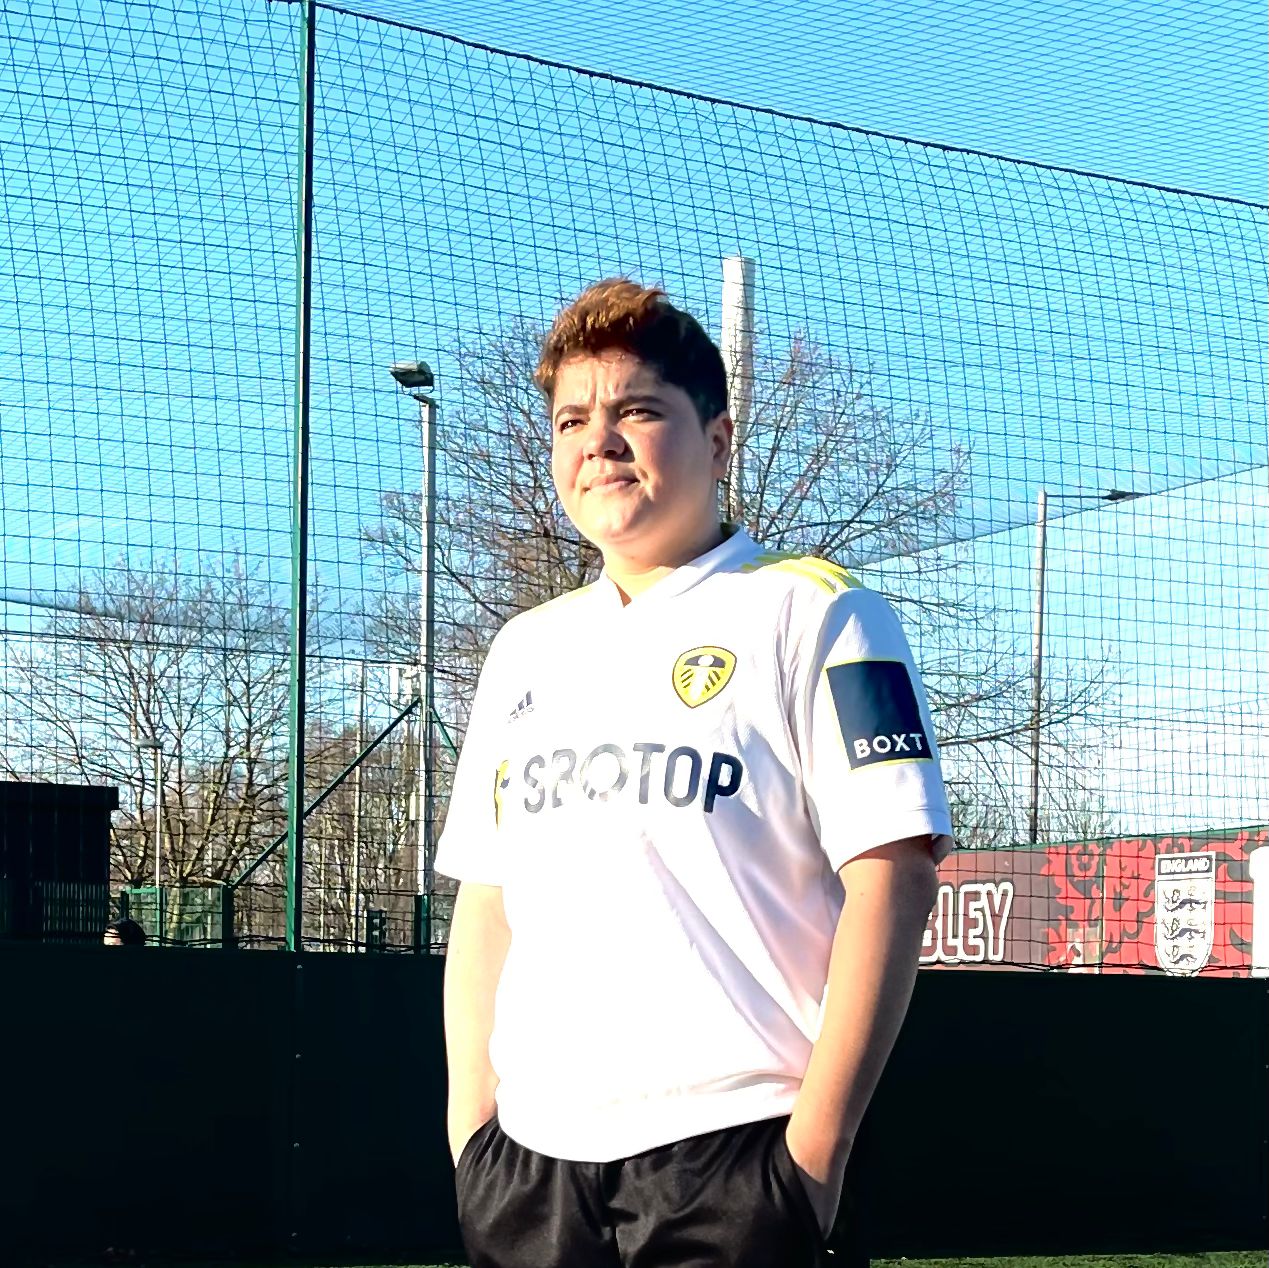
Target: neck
632, 574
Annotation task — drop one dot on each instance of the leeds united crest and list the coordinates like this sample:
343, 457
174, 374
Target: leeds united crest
700, 674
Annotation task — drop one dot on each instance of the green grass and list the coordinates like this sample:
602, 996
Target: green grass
1227, 1259
1224, 1259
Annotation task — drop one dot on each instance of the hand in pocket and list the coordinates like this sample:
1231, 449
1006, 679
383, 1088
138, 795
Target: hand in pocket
457, 1154
824, 1194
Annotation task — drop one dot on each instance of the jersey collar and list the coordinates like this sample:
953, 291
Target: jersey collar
729, 552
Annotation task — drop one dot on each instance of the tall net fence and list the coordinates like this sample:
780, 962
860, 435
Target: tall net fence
943, 343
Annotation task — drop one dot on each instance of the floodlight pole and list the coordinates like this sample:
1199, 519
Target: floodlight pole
158, 816
412, 375
155, 748
1037, 660
357, 799
300, 490
427, 659
737, 350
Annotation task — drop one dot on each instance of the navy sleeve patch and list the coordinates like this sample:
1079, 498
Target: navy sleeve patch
877, 712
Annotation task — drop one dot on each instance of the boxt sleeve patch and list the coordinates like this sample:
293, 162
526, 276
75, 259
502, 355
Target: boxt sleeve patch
878, 713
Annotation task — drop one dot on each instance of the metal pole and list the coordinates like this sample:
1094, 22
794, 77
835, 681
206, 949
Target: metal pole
737, 350
1258, 869
356, 825
321, 890
279, 841
1037, 663
300, 490
427, 660
158, 837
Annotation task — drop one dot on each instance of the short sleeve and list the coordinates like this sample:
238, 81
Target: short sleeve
870, 763
469, 848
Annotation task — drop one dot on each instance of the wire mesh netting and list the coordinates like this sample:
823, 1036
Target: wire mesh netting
1137, 88
942, 340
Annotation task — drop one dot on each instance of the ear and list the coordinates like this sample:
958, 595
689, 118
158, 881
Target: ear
719, 431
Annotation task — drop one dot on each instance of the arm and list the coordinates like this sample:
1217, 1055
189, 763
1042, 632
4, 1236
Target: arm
872, 969
478, 942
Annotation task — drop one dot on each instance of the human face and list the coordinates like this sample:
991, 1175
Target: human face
634, 469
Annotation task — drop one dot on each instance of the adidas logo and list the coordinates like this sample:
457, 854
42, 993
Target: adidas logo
524, 707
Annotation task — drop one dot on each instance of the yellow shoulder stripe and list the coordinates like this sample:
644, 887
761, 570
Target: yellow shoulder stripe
767, 559
798, 568
829, 576
847, 580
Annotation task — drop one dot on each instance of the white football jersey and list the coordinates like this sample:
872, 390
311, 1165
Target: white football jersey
664, 791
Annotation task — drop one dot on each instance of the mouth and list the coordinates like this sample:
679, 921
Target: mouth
609, 483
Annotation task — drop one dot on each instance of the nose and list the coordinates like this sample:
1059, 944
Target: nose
603, 439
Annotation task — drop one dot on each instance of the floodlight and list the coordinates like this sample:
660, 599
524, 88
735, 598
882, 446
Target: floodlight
412, 374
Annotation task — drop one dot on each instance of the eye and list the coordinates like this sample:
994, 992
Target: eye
565, 424
639, 411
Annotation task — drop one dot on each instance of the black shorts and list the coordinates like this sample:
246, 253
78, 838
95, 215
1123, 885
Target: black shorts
727, 1199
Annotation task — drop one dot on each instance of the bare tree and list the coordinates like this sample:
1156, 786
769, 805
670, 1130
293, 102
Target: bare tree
362, 842
829, 471
198, 665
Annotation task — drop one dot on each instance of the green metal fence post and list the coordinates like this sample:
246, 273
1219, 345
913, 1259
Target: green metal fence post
227, 939
300, 490
422, 923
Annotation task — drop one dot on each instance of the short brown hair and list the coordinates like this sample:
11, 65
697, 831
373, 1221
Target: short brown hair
619, 313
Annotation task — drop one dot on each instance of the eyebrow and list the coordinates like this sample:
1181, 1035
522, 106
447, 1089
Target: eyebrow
640, 398
622, 402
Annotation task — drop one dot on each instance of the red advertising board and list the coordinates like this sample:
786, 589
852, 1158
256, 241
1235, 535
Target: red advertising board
1177, 904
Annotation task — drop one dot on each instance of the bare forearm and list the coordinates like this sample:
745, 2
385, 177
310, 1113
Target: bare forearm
473, 964
870, 980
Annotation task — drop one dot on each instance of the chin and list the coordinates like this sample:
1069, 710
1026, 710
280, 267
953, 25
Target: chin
616, 530
605, 542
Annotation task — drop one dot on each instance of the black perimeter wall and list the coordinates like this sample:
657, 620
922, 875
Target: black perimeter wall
192, 1103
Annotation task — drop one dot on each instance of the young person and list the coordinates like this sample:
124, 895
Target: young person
695, 822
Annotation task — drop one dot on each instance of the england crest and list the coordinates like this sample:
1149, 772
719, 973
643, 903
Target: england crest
1184, 911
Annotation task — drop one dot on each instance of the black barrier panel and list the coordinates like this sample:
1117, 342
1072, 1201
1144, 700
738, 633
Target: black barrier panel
144, 1094
56, 832
189, 1104
373, 1168
154, 1100
1029, 1115
54, 860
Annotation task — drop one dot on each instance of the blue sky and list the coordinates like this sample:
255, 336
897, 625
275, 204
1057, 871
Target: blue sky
1165, 597
1168, 91
1075, 334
